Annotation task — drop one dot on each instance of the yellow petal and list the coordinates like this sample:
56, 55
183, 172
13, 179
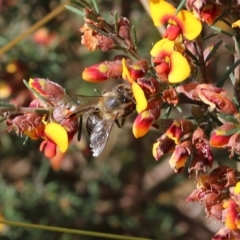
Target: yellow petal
191, 26
160, 9
154, 150
126, 74
142, 124
57, 134
180, 69
236, 24
163, 45
237, 188
138, 93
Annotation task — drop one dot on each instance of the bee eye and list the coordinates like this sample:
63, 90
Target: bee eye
119, 90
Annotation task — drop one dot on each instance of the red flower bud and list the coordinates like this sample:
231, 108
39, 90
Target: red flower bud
103, 71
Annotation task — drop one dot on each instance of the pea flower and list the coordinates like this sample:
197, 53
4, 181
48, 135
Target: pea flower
146, 118
55, 136
103, 71
141, 101
113, 69
183, 23
221, 136
169, 64
55, 130
180, 155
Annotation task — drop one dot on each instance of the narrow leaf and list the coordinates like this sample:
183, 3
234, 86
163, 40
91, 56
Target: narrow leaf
235, 101
180, 6
25, 140
7, 105
231, 77
191, 55
226, 75
215, 47
223, 15
42, 111
134, 34
229, 48
167, 112
116, 22
229, 118
95, 6
179, 109
221, 31
81, 3
75, 10
213, 34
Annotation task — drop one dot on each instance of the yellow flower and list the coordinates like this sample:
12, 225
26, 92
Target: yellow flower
170, 65
183, 23
58, 135
138, 93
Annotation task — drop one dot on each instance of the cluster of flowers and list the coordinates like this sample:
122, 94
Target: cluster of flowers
46, 118
175, 59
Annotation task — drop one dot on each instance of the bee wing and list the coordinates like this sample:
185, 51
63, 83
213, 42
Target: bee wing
100, 134
80, 104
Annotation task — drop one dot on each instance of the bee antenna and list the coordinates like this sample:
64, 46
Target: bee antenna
133, 100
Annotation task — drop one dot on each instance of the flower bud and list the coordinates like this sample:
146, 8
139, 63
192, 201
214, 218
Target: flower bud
103, 71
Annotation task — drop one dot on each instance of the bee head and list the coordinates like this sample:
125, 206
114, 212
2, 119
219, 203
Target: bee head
125, 93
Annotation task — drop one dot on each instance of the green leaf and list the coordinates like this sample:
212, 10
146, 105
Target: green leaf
75, 10
231, 77
229, 48
7, 105
221, 31
179, 109
229, 118
95, 6
213, 34
215, 47
235, 101
42, 111
180, 6
226, 75
167, 112
81, 3
223, 15
231, 132
116, 22
191, 55
134, 34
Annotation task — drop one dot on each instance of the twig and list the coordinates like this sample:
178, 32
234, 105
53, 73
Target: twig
33, 28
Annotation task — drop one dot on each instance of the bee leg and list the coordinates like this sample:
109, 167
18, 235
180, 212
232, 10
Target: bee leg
120, 124
79, 128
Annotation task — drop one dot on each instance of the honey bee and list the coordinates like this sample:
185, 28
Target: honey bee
103, 112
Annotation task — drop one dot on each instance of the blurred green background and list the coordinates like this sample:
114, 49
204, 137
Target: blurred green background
123, 191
